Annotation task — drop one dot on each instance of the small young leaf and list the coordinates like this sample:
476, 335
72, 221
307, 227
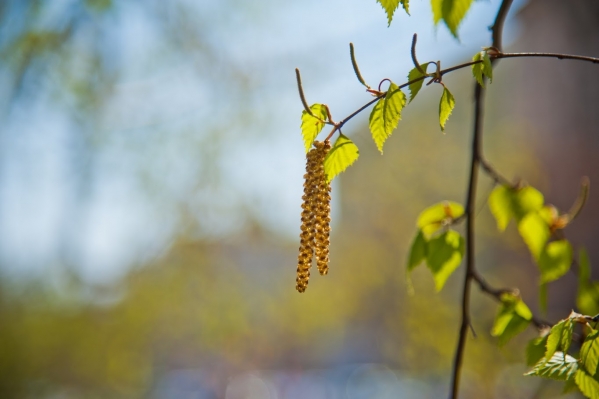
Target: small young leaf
436, 216
507, 203
415, 74
560, 337
340, 157
453, 12
390, 6
535, 350
587, 384
487, 67
406, 5
589, 352
513, 318
417, 251
534, 232
444, 255
500, 204
555, 260
386, 114
588, 291
311, 126
484, 68
560, 366
445, 107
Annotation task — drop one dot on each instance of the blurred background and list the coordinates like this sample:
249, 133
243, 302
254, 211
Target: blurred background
151, 169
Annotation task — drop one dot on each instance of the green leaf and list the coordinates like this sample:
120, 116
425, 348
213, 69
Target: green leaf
311, 126
453, 12
589, 352
535, 350
584, 266
560, 366
340, 157
444, 255
513, 318
391, 5
587, 384
525, 200
500, 204
417, 251
588, 291
535, 233
437, 6
386, 114
506, 203
436, 216
445, 107
559, 338
484, 68
555, 260
415, 74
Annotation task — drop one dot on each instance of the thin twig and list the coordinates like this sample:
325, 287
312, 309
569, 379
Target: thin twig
470, 207
413, 52
550, 55
355, 65
301, 93
493, 174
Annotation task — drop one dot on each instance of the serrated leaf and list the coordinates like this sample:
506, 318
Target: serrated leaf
445, 107
555, 260
436, 216
437, 6
415, 74
560, 366
343, 154
535, 350
406, 5
587, 384
534, 232
311, 126
513, 318
559, 338
453, 12
417, 251
485, 68
589, 352
444, 255
390, 6
386, 114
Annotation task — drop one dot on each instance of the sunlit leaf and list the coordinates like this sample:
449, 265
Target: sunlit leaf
406, 5
311, 126
500, 204
436, 216
453, 12
589, 352
513, 318
340, 157
445, 107
555, 260
535, 350
525, 200
415, 74
484, 68
417, 251
386, 114
444, 255
587, 384
437, 6
506, 203
559, 338
391, 5
560, 366
534, 232
587, 297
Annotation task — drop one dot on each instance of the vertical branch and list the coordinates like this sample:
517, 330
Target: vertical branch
476, 156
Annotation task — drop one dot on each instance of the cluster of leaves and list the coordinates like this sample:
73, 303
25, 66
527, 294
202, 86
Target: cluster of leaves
436, 243
451, 12
548, 354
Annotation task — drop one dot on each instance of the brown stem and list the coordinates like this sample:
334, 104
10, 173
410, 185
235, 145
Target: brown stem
470, 207
550, 55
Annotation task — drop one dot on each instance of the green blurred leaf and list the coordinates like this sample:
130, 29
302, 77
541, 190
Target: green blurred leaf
386, 114
417, 251
444, 255
559, 338
588, 291
311, 126
513, 318
555, 260
343, 154
437, 6
391, 5
534, 232
436, 216
535, 350
589, 352
500, 204
445, 107
506, 203
485, 68
559, 367
453, 12
415, 74
588, 385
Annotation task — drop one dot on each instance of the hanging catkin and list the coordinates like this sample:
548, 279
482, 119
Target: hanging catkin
315, 227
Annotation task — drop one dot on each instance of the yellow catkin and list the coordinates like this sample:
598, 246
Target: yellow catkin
315, 227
